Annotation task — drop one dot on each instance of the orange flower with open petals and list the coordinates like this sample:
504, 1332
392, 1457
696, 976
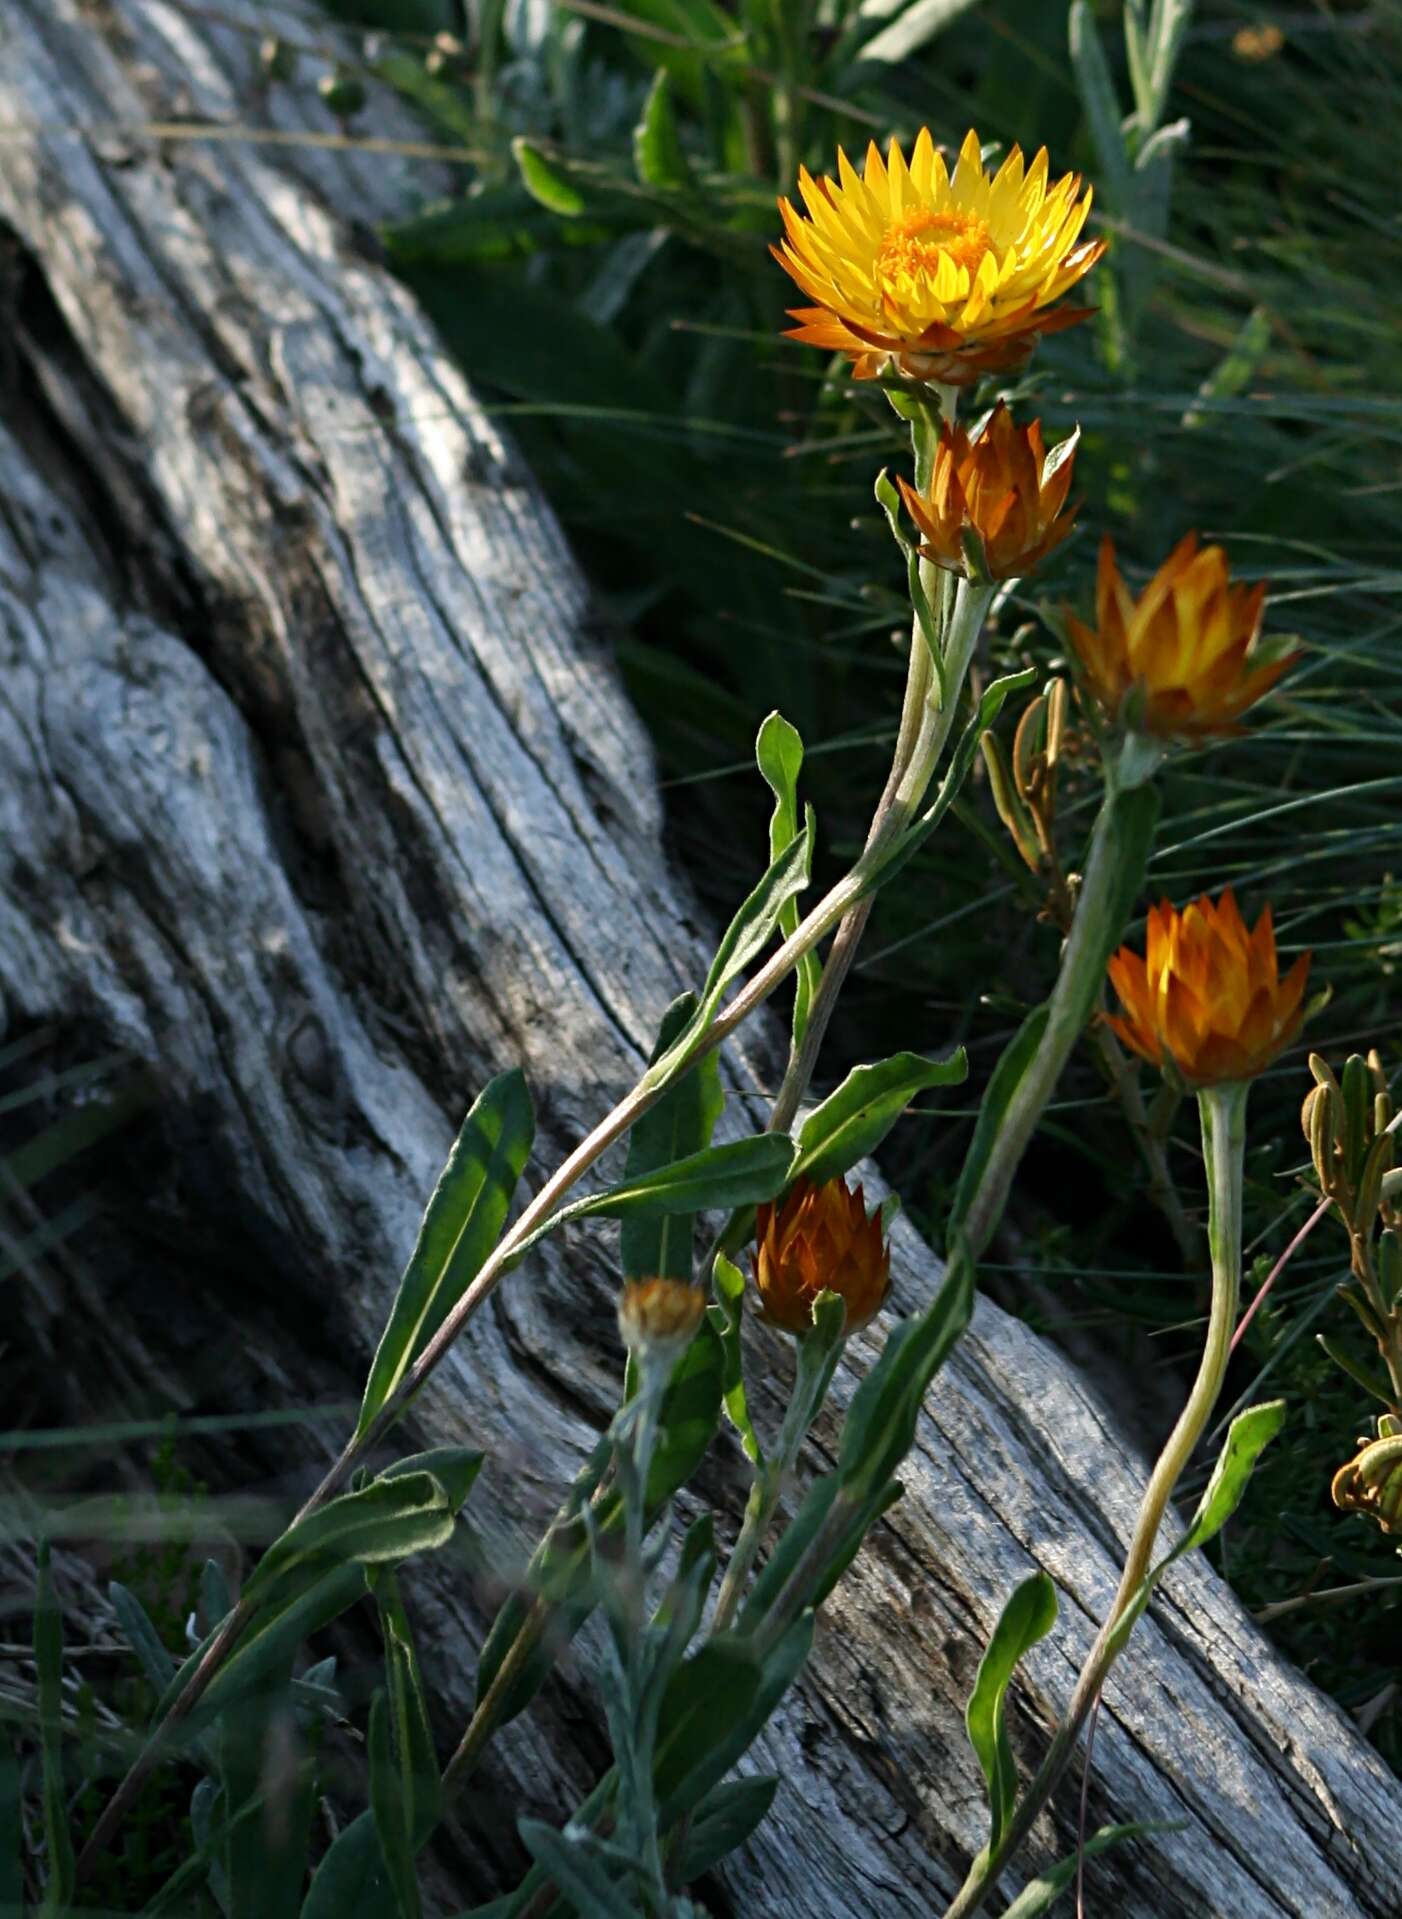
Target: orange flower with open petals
943, 277
1002, 487
1208, 996
819, 1239
1190, 642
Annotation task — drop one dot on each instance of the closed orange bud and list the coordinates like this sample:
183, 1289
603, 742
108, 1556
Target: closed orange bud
657, 1314
819, 1239
1189, 643
1003, 488
1208, 995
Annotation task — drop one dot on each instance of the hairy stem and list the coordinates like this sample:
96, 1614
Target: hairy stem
1223, 1112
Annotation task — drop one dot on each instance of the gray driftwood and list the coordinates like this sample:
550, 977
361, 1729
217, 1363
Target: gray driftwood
318, 795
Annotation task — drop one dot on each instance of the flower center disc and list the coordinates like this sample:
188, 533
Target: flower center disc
911, 249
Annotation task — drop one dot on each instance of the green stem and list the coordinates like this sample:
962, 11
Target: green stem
1072, 1001
810, 1390
1223, 1112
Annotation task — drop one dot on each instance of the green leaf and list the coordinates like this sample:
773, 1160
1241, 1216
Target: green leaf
985, 714
708, 1695
291, 1614
747, 936
1102, 108
998, 1095
740, 1173
155, 1661
688, 1417
852, 1122
407, 1709
1028, 1616
559, 1568
571, 1863
876, 1436
726, 1317
48, 1661
779, 754
916, 24
723, 1820
1039, 1893
462, 1224
698, 1743
657, 146
545, 181
390, 1812
389, 1519
11, 1831
352, 1880
677, 1127
454, 1467
1247, 1438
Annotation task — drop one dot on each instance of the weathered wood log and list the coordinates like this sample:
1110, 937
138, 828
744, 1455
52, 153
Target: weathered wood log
319, 796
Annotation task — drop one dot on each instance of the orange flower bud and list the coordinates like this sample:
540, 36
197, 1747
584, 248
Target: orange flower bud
1001, 487
819, 1239
1208, 995
1189, 642
941, 277
655, 1314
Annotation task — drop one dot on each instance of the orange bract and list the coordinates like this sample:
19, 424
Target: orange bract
819, 1239
946, 277
1208, 996
1001, 486
1188, 641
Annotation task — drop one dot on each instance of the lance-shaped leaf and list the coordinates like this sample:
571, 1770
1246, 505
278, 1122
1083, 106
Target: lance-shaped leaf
559, 1570
462, 1225
680, 1125
48, 1664
1028, 1616
657, 146
387, 1520
11, 1831
779, 755
1039, 1894
744, 940
407, 1710
817, 1546
853, 1121
726, 1316
389, 1808
990, 705
723, 1820
1247, 1438
740, 1173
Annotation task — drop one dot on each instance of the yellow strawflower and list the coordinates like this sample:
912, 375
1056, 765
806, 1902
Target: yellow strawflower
945, 277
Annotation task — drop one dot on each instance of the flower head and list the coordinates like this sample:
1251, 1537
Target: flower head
1002, 487
659, 1315
819, 1239
946, 277
1208, 996
1188, 641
